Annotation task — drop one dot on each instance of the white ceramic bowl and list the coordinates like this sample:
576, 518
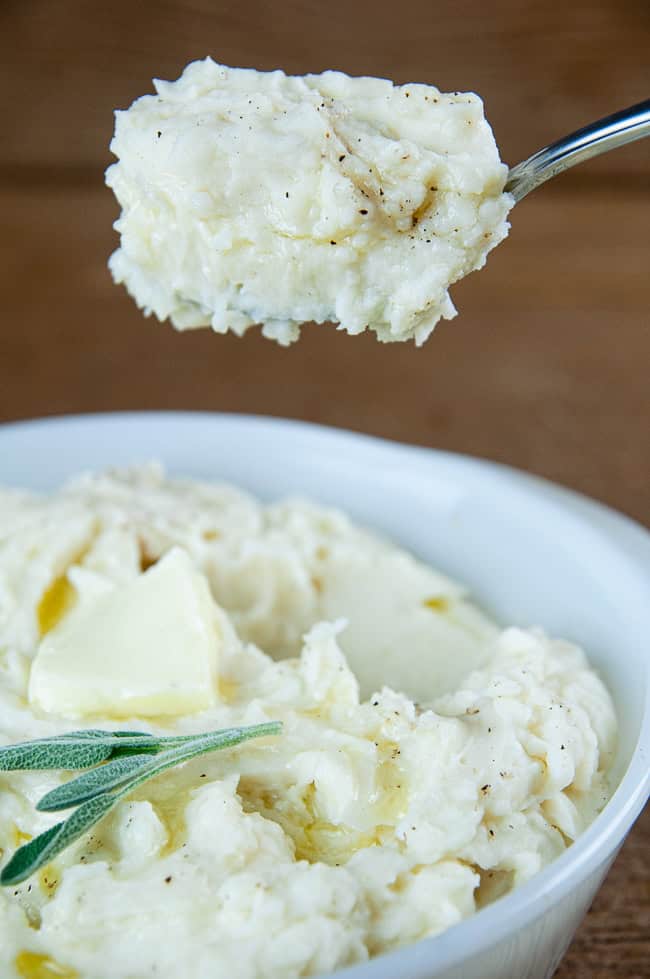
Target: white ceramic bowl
531, 552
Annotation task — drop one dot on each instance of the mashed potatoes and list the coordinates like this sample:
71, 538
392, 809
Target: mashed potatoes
371, 821
252, 197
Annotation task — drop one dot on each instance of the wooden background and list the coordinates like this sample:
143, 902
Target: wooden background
547, 366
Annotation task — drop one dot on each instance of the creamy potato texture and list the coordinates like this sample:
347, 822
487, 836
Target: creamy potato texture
251, 197
429, 761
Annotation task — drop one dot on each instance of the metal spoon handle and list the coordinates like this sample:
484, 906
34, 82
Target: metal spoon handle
606, 134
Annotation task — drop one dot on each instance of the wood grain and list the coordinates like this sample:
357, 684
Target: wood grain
546, 368
613, 940
543, 68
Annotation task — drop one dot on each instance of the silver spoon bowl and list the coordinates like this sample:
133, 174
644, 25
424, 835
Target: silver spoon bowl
606, 134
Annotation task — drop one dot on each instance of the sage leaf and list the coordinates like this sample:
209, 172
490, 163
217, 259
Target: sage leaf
106, 778
74, 751
42, 849
51, 753
92, 734
148, 767
200, 745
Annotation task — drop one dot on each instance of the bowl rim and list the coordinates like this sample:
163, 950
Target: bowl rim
600, 841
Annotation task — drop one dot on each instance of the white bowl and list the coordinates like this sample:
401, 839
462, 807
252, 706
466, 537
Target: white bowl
531, 552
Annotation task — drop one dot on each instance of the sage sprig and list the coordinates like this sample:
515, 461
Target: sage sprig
124, 760
97, 781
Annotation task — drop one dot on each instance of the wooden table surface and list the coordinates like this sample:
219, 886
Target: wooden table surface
547, 366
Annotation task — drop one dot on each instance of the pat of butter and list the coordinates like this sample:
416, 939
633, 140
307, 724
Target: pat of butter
147, 648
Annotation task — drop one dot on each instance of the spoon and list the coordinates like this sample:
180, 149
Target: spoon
606, 134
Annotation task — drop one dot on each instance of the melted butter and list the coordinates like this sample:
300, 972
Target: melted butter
48, 880
55, 602
437, 604
315, 840
227, 690
31, 965
402, 881
323, 842
169, 800
59, 597
211, 534
392, 796
147, 560
19, 837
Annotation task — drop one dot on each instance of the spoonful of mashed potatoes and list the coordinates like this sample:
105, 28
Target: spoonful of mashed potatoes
256, 197
259, 198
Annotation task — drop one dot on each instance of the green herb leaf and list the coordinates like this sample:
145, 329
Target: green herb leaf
76, 750
52, 753
95, 782
98, 791
93, 733
42, 849
201, 744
